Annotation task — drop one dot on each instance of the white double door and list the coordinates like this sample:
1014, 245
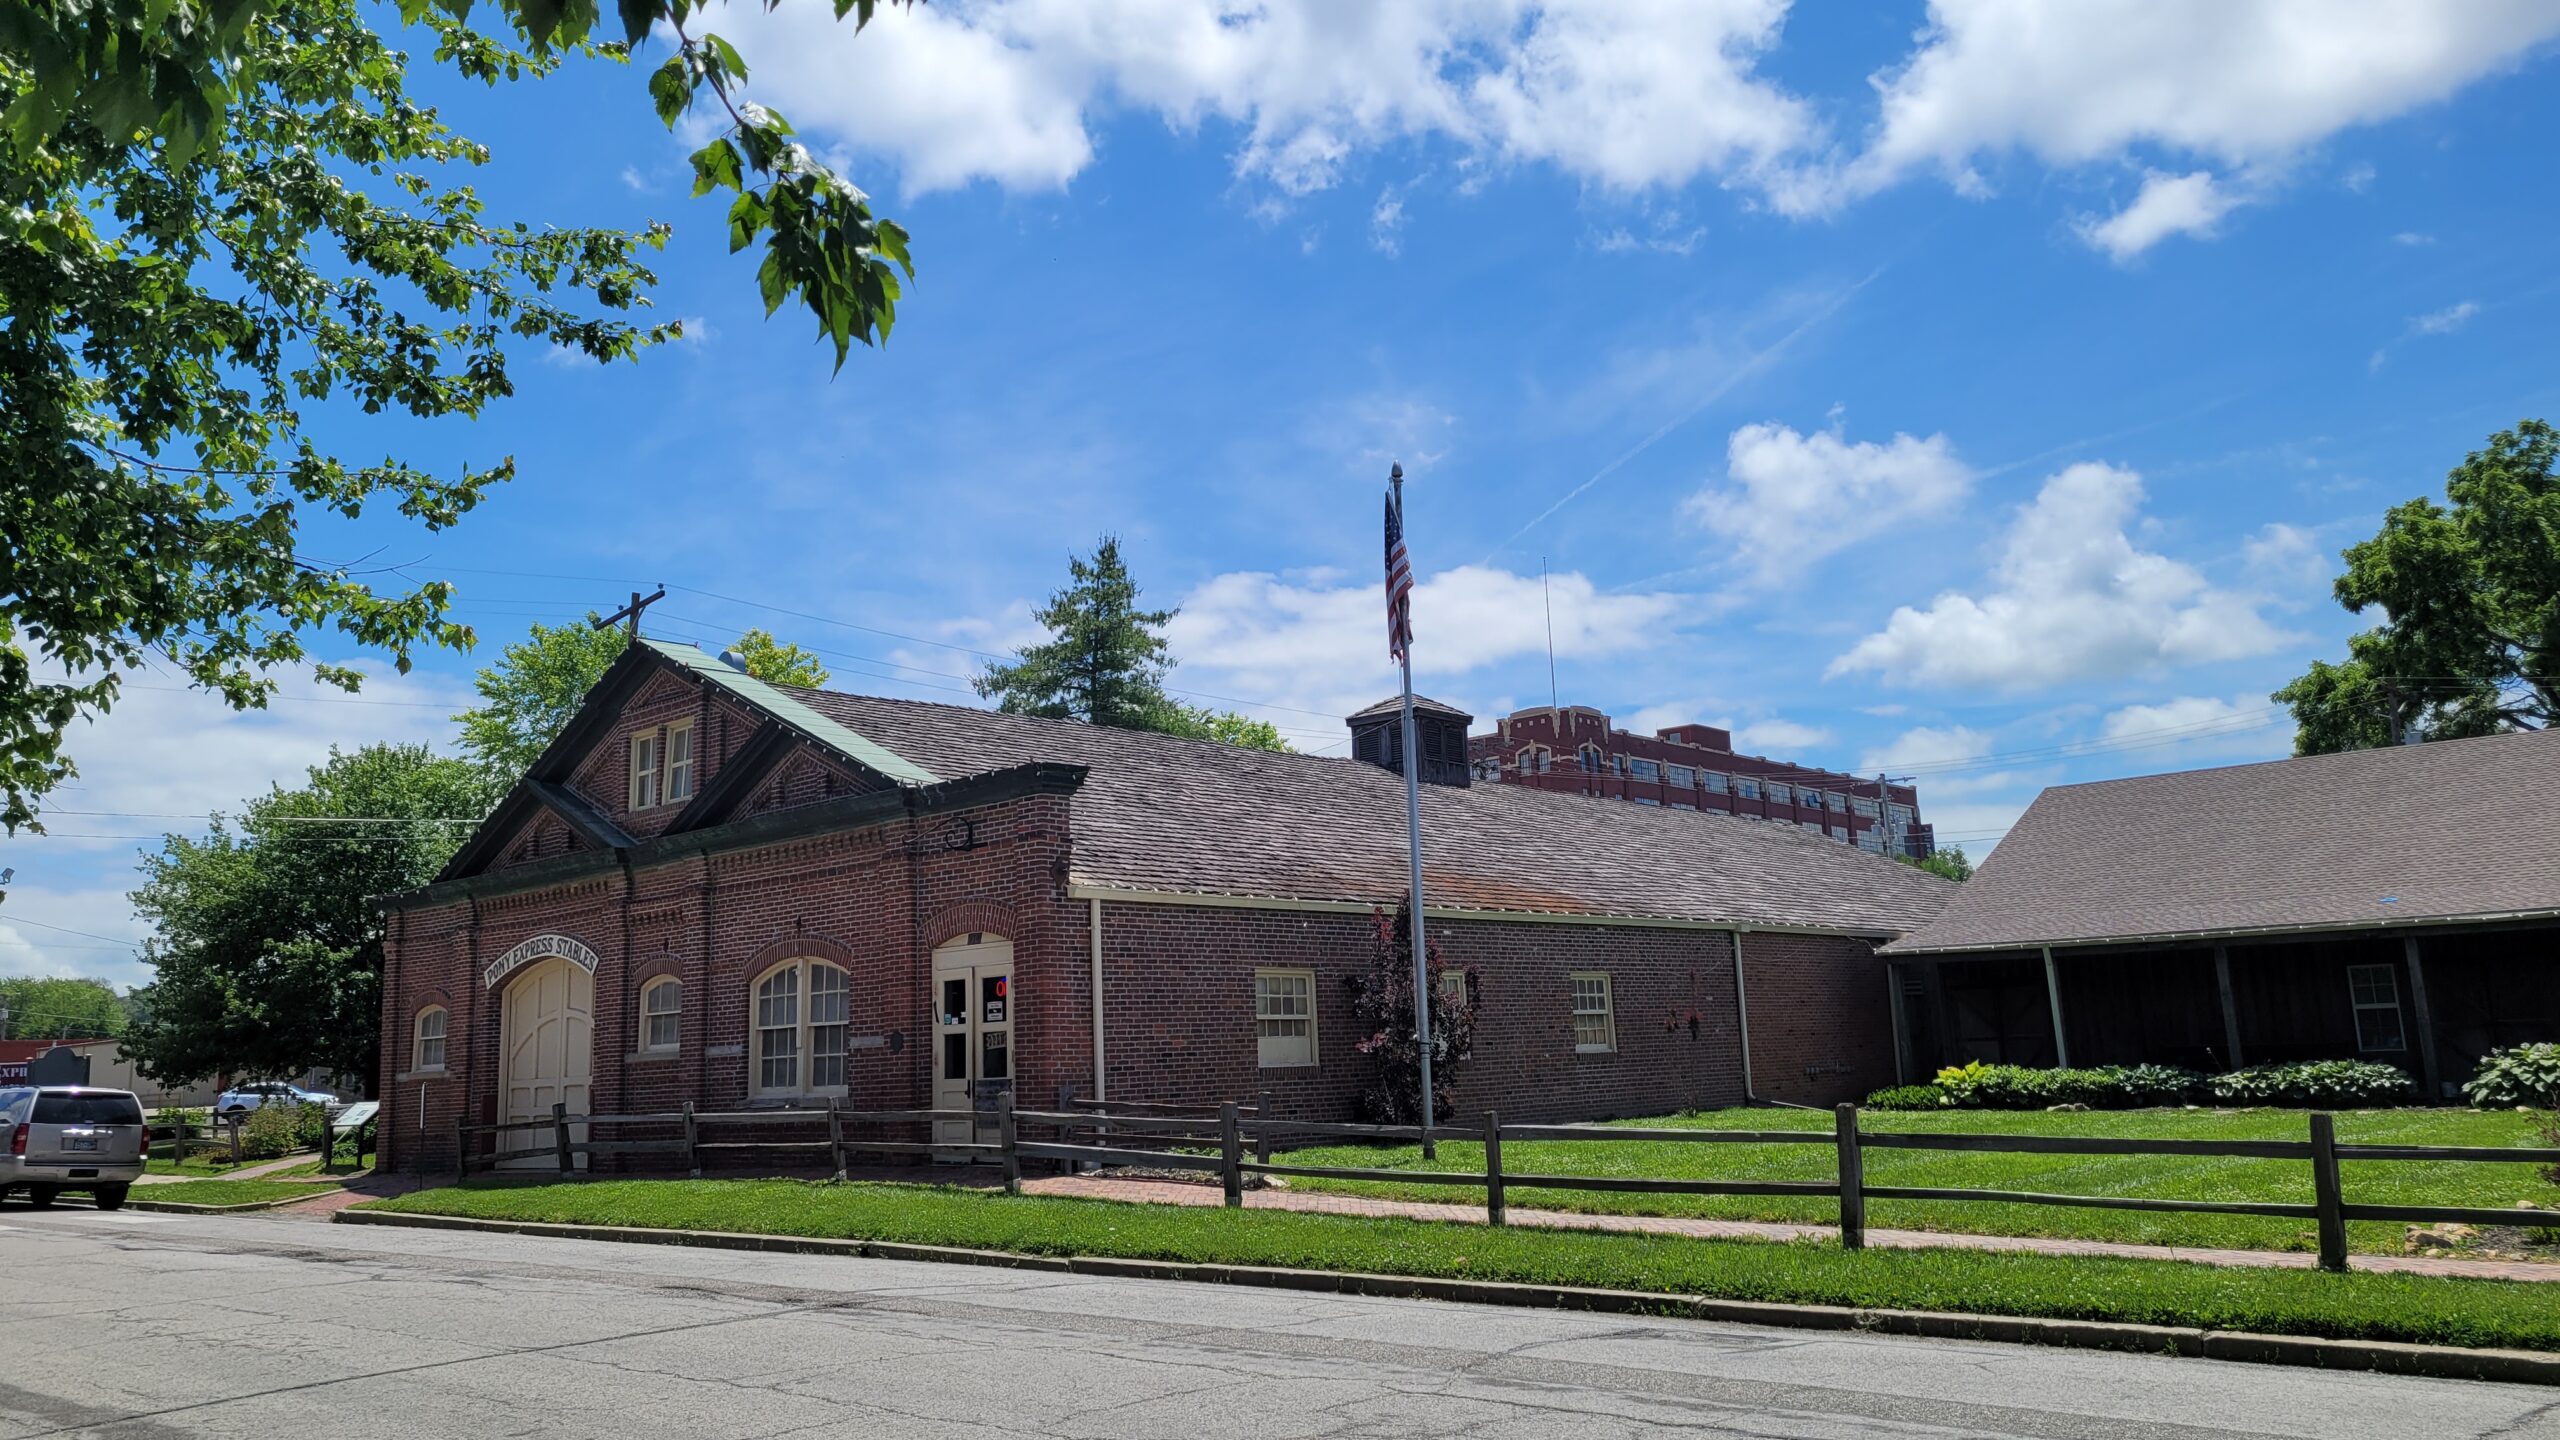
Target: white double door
973, 1018
547, 1055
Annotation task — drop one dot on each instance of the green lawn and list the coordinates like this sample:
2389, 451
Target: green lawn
2297, 1302
2379, 1182
227, 1192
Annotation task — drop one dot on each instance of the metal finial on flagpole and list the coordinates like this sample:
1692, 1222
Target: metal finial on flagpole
1413, 832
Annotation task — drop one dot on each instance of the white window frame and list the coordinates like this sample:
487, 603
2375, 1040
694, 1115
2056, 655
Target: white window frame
647, 753
1453, 985
1586, 984
800, 1026
2359, 978
680, 762
1277, 1045
419, 1039
650, 1015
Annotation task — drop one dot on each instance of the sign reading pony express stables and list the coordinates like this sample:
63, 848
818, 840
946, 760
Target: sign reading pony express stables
540, 947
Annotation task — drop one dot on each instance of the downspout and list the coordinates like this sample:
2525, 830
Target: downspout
1100, 1070
1742, 1012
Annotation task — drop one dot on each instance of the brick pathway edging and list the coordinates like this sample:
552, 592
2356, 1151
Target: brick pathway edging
1174, 1192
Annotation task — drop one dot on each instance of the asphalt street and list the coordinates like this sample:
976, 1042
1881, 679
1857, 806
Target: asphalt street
151, 1327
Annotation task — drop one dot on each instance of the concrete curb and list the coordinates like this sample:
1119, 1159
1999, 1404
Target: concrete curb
182, 1207
2515, 1367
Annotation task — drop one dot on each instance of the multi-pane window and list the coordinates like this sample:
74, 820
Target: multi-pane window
1746, 787
1595, 1026
1716, 782
1686, 777
2375, 990
428, 1054
1453, 986
1863, 806
789, 1031
1644, 769
661, 1014
645, 760
679, 762
1839, 802
1284, 1016
1535, 759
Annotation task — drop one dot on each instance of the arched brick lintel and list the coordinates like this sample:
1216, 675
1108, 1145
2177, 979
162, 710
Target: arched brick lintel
797, 947
987, 917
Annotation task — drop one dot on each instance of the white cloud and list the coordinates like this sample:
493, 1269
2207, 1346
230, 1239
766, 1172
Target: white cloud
1778, 736
2191, 204
2286, 557
1790, 499
2242, 82
2358, 178
1619, 240
65, 932
1323, 646
1627, 93
1386, 223
2071, 598
1927, 745
2444, 321
2190, 719
634, 179
2412, 238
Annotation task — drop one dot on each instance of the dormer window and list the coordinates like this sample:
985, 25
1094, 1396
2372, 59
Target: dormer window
679, 762
645, 760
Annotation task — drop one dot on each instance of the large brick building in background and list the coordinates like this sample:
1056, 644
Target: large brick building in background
1693, 767
714, 889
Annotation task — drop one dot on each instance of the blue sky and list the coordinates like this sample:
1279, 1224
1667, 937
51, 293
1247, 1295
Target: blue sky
1901, 385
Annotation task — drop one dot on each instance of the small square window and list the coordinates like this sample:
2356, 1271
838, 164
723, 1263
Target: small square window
1284, 1017
661, 1015
1595, 1025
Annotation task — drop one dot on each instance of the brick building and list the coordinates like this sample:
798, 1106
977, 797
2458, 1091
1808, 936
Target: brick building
714, 889
1693, 767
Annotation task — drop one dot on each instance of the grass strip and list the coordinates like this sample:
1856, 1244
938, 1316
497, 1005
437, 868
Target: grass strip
227, 1192
2416, 1309
2472, 1185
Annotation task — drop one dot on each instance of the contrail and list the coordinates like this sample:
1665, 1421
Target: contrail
1741, 372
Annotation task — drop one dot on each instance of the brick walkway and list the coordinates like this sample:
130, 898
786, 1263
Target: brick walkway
1175, 1192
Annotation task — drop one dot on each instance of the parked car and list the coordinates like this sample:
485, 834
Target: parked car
241, 1099
69, 1137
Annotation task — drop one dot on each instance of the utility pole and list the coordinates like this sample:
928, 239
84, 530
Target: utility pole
629, 614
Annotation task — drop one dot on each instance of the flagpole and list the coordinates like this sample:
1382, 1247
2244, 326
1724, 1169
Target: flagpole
1413, 834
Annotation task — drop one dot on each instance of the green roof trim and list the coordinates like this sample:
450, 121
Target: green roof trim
783, 706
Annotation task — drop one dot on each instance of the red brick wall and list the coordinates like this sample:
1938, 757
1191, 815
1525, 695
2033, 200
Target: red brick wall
1821, 1018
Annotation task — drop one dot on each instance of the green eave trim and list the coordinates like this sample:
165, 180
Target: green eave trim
784, 707
843, 814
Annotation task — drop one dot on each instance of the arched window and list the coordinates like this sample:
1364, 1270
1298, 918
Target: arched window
1590, 756
661, 1014
427, 1053
800, 1009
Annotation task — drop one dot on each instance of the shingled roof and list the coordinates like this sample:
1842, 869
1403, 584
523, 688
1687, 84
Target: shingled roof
2458, 830
1162, 814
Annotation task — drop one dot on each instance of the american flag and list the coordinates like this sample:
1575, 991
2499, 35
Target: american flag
1399, 586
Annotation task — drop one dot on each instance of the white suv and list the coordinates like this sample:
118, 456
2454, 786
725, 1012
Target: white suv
70, 1137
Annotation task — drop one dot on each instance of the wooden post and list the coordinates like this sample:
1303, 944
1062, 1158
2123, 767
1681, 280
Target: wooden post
2327, 1194
1493, 1167
461, 1150
2430, 1080
328, 1140
235, 1139
1853, 1179
1262, 1127
1005, 1138
560, 1136
2230, 1006
835, 1136
1231, 1153
692, 1156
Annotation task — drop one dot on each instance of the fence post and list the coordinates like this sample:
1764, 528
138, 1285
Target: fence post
835, 1135
560, 1135
692, 1157
2326, 1192
1262, 1128
328, 1140
1853, 1179
1231, 1154
1005, 1138
1493, 1167
461, 1150
235, 1139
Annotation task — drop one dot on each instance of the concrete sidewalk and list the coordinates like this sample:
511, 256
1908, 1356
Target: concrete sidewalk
1176, 1192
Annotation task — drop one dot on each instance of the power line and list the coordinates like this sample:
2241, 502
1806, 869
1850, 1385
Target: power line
16, 920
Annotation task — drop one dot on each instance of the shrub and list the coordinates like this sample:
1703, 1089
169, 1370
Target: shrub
1908, 1097
310, 1124
267, 1133
2517, 1075
2325, 1084
2144, 1085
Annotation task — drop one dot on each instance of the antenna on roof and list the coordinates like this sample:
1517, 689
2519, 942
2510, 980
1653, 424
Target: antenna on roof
629, 614
1549, 601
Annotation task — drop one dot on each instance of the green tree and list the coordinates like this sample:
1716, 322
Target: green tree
536, 684
1950, 863
269, 950
1227, 727
40, 1006
1105, 659
217, 213
775, 663
2470, 595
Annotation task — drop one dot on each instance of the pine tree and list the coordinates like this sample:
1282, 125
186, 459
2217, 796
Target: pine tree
1105, 660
